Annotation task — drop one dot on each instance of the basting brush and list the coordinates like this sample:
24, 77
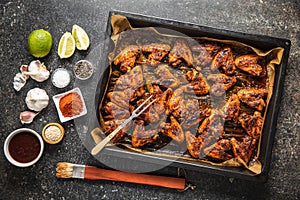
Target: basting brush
69, 170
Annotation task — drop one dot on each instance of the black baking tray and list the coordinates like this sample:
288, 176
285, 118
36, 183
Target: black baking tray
193, 30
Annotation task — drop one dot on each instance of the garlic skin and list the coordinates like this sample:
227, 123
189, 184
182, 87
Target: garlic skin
27, 117
37, 99
24, 70
19, 81
37, 71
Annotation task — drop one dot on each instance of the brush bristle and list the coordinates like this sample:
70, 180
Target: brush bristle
64, 170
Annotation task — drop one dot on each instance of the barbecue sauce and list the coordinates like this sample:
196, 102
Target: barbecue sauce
24, 147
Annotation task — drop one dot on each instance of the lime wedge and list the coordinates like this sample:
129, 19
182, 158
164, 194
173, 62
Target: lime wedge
66, 46
81, 38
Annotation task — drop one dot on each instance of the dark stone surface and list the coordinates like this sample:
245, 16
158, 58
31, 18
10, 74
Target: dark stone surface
279, 18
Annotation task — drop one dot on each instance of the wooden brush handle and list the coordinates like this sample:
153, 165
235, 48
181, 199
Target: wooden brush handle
94, 173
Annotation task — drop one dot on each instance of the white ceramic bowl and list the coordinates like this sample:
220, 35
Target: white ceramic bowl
10, 158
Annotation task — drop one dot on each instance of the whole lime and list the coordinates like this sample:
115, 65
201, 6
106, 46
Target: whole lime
39, 43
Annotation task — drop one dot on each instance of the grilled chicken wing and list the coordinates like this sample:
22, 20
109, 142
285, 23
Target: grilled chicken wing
120, 98
221, 83
244, 149
197, 85
161, 97
173, 130
132, 79
248, 63
206, 53
214, 124
232, 108
114, 111
111, 125
224, 60
174, 101
180, 52
149, 115
140, 136
253, 97
219, 150
210, 130
166, 77
126, 58
193, 144
157, 52
252, 124
191, 114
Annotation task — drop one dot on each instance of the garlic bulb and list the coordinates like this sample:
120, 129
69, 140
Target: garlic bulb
27, 117
19, 81
38, 71
37, 99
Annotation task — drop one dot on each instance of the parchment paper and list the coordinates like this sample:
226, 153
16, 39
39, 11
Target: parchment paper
120, 23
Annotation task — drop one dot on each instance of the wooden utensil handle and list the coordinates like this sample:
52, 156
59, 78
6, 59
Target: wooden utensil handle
94, 173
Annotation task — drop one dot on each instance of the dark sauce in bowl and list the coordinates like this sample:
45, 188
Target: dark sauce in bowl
24, 147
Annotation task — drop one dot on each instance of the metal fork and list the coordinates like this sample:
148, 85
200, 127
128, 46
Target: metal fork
134, 114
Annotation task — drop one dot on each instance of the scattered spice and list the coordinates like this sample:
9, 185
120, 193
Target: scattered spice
53, 133
71, 104
83, 69
61, 78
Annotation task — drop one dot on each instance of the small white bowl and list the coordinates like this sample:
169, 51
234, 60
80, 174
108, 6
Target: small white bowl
57, 98
87, 64
64, 80
11, 159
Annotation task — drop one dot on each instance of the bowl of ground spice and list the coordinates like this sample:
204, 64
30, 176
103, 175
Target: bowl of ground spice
70, 105
53, 133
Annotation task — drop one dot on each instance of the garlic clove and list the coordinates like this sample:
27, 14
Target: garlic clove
24, 70
37, 99
38, 71
19, 81
27, 117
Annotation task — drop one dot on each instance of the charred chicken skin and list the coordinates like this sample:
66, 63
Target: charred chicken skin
193, 144
248, 63
160, 105
157, 52
126, 58
210, 130
111, 125
180, 52
224, 60
206, 53
141, 137
173, 130
232, 108
149, 115
120, 98
174, 101
243, 149
253, 97
221, 83
252, 124
132, 79
214, 124
219, 150
191, 114
114, 111
197, 85
167, 79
